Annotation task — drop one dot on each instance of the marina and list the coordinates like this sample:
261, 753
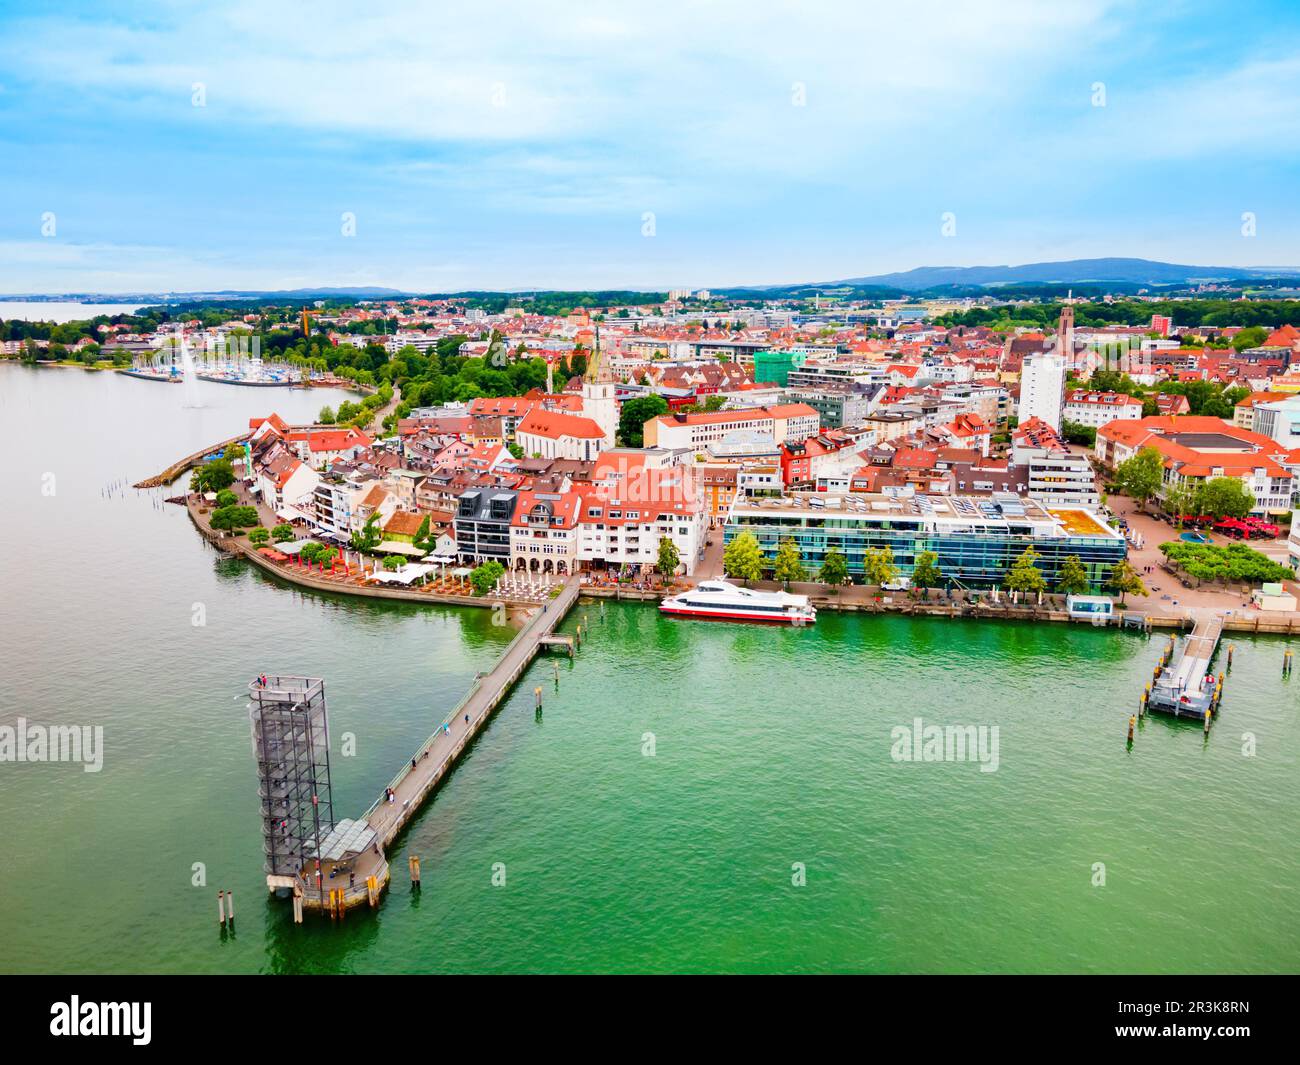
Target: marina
1187, 687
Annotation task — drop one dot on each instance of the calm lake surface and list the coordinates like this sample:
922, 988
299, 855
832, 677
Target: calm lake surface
771, 751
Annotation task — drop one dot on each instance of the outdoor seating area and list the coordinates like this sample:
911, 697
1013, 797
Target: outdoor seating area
1247, 529
532, 587
639, 581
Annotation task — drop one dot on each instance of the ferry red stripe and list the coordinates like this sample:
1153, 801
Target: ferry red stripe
732, 615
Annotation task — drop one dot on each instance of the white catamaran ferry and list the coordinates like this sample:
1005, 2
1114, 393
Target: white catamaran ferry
718, 599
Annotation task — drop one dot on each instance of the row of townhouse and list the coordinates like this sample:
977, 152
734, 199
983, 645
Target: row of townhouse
604, 524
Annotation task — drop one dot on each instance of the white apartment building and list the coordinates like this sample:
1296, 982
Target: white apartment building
1061, 478
1042, 389
618, 525
1095, 409
1279, 420
788, 421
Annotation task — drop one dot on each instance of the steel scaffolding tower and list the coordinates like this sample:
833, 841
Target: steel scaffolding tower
291, 746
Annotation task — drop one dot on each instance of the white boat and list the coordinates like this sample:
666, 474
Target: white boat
729, 602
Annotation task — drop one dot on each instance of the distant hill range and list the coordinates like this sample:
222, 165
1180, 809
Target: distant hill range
1068, 272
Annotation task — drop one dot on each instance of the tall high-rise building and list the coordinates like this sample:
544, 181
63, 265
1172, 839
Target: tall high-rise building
1042, 377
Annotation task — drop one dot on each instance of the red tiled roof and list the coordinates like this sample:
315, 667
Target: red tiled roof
555, 425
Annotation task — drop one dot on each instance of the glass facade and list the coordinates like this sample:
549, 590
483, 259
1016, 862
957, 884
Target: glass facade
979, 559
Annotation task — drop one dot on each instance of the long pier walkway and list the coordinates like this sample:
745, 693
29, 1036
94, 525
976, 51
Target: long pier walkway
180, 466
1181, 688
439, 752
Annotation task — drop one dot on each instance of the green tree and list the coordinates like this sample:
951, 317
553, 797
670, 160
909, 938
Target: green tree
878, 566
259, 535
326, 416
232, 518
1124, 579
634, 415
393, 562
789, 564
669, 559
1184, 500
1073, 578
484, 578
226, 498
1073, 433
1140, 477
213, 476
926, 573
1024, 575
1250, 337
282, 533
743, 558
835, 569
1227, 497
368, 537
422, 535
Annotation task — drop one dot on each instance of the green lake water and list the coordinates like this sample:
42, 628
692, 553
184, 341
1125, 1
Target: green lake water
771, 753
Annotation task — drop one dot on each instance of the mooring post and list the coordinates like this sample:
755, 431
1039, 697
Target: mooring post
1132, 721
1231, 648
414, 863
1207, 719
1146, 696
230, 907
221, 908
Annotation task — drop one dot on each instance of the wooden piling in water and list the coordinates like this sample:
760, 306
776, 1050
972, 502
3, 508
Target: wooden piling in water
230, 907
537, 694
414, 863
221, 908
1132, 722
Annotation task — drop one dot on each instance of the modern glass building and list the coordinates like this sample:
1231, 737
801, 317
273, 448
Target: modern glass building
977, 539
776, 365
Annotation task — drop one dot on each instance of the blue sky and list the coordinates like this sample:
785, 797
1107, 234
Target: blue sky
502, 145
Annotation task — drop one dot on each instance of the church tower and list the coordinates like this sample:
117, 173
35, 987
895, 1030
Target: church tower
598, 400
